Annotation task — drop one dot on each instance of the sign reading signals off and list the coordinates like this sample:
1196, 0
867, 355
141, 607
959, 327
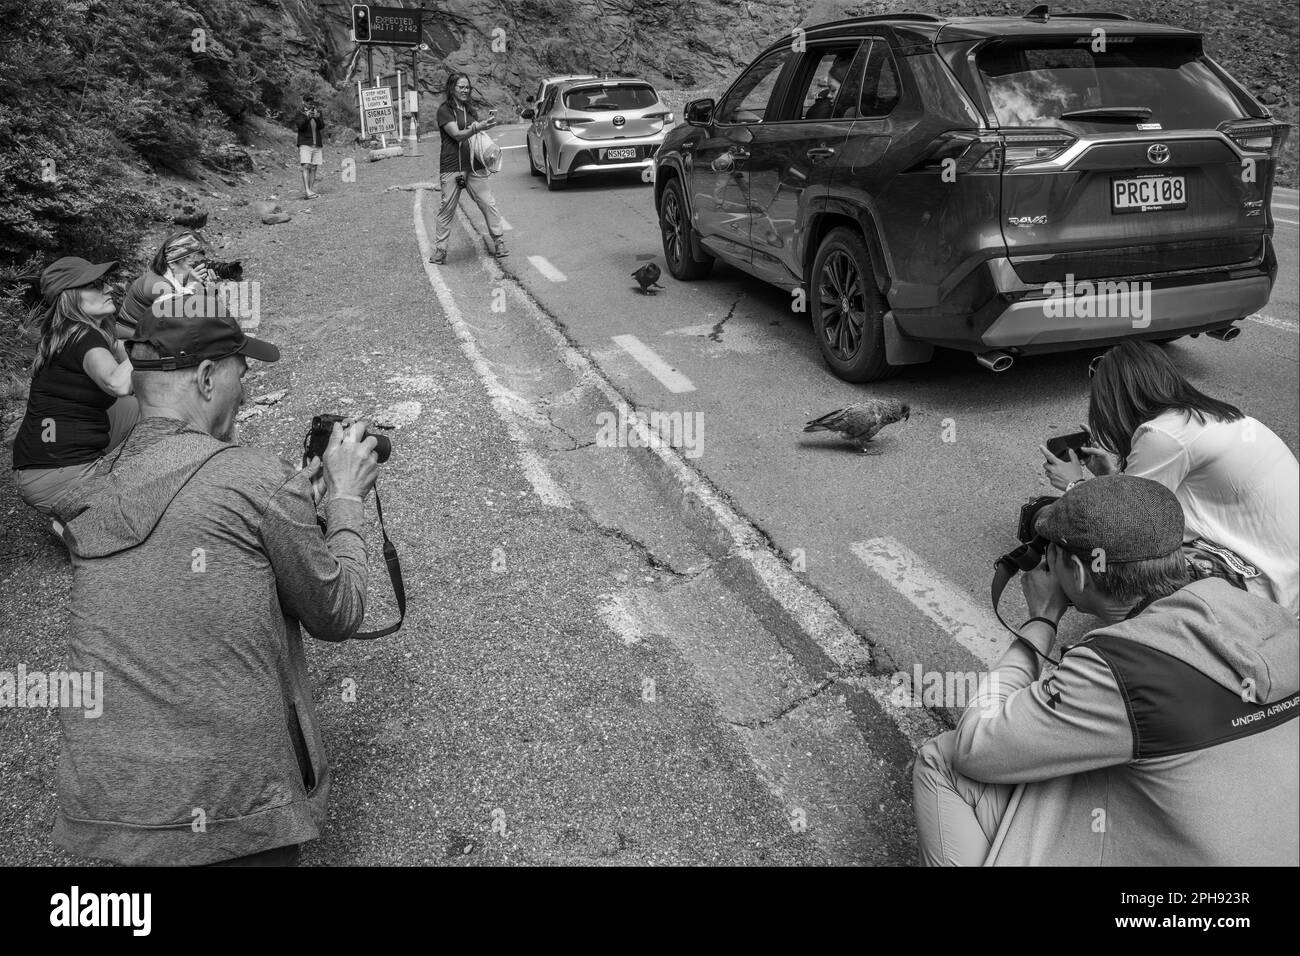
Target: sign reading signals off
377, 107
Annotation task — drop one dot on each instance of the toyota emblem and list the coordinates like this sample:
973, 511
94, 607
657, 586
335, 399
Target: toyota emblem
1158, 153
619, 121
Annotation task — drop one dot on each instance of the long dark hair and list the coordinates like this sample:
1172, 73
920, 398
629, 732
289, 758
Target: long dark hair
450, 88
64, 323
1132, 384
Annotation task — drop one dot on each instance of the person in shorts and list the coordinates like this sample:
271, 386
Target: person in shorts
311, 143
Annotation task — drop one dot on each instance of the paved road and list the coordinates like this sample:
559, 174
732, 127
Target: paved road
901, 540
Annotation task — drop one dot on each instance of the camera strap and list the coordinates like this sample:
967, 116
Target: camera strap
394, 575
1004, 569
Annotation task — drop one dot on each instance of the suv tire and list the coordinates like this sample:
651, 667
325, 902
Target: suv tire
675, 229
852, 341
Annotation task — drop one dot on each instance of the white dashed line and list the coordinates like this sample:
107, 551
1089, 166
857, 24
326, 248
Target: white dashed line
1285, 205
649, 360
1289, 222
970, 625
1268, 320
543, 265
513, 147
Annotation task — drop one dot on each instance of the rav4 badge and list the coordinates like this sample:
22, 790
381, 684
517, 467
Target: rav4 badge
1025, 221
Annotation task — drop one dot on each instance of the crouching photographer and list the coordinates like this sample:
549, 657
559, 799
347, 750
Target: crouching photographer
1167, 736
197, 562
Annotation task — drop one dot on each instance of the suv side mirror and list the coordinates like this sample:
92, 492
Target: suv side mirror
699, 112
527, 113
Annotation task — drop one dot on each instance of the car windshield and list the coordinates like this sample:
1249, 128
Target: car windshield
615, 97
1103, 80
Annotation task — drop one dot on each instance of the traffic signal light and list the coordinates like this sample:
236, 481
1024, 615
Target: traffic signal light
361, 22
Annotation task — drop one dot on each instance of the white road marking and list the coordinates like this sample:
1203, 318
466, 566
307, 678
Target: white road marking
805, 607
1268, 320
543, 265
520, 146
1284, 205
530, 462
649, 360
957, 615
505, 224
1289, 222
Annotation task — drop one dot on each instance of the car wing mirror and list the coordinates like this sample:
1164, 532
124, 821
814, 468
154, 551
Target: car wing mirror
528, 113
699, 112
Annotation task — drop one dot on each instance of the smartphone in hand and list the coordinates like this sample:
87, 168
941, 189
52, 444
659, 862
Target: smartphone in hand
1061, 445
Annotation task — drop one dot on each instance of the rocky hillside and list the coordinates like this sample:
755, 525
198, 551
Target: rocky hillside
701, 43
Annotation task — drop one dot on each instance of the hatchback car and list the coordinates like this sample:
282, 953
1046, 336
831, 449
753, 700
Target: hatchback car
1000, 185
595, 126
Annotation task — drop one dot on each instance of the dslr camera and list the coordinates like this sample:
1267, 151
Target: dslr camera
1032, 546
225, 271
318, 439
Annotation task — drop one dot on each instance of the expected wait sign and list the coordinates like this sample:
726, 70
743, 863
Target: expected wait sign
386, 26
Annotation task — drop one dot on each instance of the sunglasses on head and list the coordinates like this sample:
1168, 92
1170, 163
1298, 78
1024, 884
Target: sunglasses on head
1092, 366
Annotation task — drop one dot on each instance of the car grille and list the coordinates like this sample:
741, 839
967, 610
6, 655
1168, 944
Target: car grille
1147, 260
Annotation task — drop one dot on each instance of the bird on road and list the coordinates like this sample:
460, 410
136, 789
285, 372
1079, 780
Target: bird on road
860, 422
648, 278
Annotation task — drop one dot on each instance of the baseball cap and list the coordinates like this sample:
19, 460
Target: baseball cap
185, 341
70, 272
1128, 518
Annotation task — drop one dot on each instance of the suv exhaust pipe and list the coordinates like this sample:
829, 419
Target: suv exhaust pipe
1225, 334
995, 361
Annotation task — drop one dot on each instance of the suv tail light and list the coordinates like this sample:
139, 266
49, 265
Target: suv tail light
1256, 137
987, 151
1038, 146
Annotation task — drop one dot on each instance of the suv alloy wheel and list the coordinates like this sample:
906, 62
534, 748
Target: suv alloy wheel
676, 235
848, 309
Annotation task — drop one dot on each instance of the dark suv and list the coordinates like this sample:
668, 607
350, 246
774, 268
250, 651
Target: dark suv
998, 185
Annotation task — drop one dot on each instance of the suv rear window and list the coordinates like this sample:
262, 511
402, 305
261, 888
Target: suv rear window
1031, 82
624, 97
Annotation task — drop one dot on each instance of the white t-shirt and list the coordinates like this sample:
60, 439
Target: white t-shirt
1239, 486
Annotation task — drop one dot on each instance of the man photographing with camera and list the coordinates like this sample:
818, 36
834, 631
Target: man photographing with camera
196, 563
311, 143
1167, 736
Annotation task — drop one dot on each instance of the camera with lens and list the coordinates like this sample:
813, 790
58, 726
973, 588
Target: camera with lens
460, 180
225, 271
1032, 548
318, 439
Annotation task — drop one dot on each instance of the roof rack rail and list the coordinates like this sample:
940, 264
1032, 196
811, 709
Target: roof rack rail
1041, 12
927, 17
1093, 15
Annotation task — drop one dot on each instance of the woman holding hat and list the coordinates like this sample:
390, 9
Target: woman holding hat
80, 403
175, 270
1237, 481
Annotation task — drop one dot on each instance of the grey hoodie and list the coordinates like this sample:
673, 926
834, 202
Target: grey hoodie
1169, 738
193, 562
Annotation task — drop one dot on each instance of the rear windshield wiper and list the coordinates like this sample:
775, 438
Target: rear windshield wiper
1110, 112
